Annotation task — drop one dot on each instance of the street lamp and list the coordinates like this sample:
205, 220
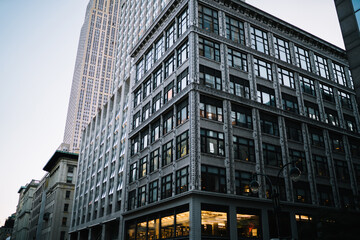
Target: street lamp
274, 194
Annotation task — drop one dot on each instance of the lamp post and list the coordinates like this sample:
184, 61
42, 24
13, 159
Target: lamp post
274, 193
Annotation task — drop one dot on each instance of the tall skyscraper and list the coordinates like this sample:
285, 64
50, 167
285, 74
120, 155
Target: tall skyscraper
211, 96
93, 73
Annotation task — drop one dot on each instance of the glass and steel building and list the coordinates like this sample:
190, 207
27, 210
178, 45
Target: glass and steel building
217, 92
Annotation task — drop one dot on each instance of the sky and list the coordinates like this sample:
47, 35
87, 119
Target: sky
38, 45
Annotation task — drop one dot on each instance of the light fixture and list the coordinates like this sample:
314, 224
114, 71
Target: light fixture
295, 174
254, 186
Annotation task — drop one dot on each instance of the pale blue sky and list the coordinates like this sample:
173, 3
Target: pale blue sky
38, 44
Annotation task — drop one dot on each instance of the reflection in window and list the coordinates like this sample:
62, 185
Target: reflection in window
210, 77
331, 117
241, 116
312, 111
266, 95
345, 100
282, 50
244, 149
153, 229
182, 145
237, 59
183, 22
286, 78
167, 227
209, 49
316, 137
327, 93
259, 40
211, 108
182, 112
339, 74
307, 85
262, 69
302, 58
208, 19
214, 223
167, 153
182, 53
248, 226
235, 30
321, 66
212, 142
182, 80
182, 224
269, 124
240, 87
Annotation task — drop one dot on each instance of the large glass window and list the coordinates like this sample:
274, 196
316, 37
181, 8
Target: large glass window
286, 78
339, 74
327, 93
182, 112
168, 122
293, 131
259, 40
269, 124
153, 191
302, 58
182, 145
209, 49
240, 87
282, 50
183, 22
143, 167
157, 78
321, 66
182, 224
325, 195
169, 66
170, 36
272, 155
345, 100
241, 116
154, 160
136, 120
321, 166
316, 137
350, 123
132, 200
147, 88
299, 157
302, 192
210, 77
331, 117
137, 97
133, 170
337, 143
159, 48
146, 112
211, 108
148, 60
182, 53
141, 202
354, 148
156, 102
235, 30
208, 19
244, 149
182, 80
262, 69
312, 111
166, 186
214, 223
290, 103
341, 170
182, 181
212, 142
167, 226
213, 179
169, 92
266, 96
307, 85
237, 59
248, 225
135, 144
242, 183
167, 153
139, 70
155, 131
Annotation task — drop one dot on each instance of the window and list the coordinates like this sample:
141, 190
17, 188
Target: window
235, 30
170, 36
137, 97
290, 103
182, 80
341, 170
146, 112
354, 148
141, 196
345, 100
67, 194
136, 120
237, 60
182, 182
337, 143
286, 78
208, 19
132, 199
153, 191
159, 48
325, 195
321, 166
209, 49
241, 116
62, 235
272, 155
211, 108
339, 74
248, 225
168, 122
312, 111
148, 60
154, 160
213, 179
169, 92
302, 192
293, 131
240, 87
143, 167
147, 88
282, 50
259, 40
262, 69
69, 179
182, 112
269, 124
242, 183
307, 85
144, 139
167, 153
327, 93
66, 207
156, 102
212, 142
302, 58
155, 131
321, 66
169, 66
266, 96
63, 222
316, 137
70, 169
331, 117
166, 186
182, 53
299, 157
132, 175
183, 22
244, 149
214, 223
350, 123
182, 145
357, 172
139, 70
157, 78
210, 77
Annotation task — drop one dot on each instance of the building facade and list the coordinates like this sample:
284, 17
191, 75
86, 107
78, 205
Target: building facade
94, 66
220, 91
23, 210
349, 17
53, 198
